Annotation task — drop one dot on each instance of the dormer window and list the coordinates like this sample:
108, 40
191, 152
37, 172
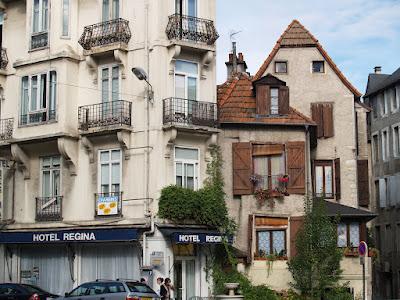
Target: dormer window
281, 67
274, 109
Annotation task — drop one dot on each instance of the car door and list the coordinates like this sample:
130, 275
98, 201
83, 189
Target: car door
80, 293
11, 292
113, 291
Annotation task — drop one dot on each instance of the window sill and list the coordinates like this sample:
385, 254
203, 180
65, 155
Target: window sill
268, 259
38, 49
37, 124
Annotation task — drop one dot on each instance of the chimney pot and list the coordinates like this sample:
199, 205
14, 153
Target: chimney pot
230, 57
378, 70
240, 57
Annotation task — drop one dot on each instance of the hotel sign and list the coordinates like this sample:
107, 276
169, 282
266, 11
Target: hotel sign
200, 238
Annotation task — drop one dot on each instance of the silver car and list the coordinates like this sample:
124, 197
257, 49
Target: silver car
112, 290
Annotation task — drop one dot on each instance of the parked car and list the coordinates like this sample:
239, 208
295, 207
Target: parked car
112, 290
20, 291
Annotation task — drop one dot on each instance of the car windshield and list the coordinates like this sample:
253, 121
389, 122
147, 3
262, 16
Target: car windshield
137, 287
33, 289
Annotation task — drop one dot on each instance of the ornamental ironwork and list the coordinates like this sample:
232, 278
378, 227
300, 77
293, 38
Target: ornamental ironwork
105, 114
39, 40
181, 27
36, 117
105, 33
6, 128
3, 59
189, 112
49, 208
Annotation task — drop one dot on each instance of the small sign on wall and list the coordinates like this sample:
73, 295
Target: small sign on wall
107, 205
157, 258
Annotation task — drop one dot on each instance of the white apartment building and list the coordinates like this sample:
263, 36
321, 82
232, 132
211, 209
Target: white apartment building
86, 147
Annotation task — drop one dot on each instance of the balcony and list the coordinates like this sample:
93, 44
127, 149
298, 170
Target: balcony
6, 129
3, 59
49, 208
178, 111
110, 33
37, 117
191, 29
108, 204
108, 115
39, 40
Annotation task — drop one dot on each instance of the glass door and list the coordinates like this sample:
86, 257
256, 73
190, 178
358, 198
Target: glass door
185, 278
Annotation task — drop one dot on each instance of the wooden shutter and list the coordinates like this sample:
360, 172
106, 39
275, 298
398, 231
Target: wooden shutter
295, 225
250, 239
363, 232
284, 100
242, 168
263, 100
363, 182
337, 179
327, 115
316, 114
296, 167
268, 149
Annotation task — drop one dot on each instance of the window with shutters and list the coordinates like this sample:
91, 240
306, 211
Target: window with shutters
363, 182
375, 147
274, 107
396, 140
385, 144
322, 114
323, 178
348, 235
382, 192
269, 169
186, 167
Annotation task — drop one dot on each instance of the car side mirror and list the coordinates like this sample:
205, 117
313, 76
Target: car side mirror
66, 294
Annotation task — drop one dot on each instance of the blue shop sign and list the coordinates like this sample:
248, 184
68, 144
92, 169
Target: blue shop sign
200, 238
69, 236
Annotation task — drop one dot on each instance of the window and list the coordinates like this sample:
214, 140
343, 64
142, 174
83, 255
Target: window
280, 67
382, 192
51, 176
271, 242
110, 10
375, 142
383, 105
385, 144
110, 82
268, 168
323, 174
189, 7
40, 24
318, 67
322, 114
397, 98
388, 238
348, 235
1, 28
186, 75
38, 98
65, 18
396, 140
186, 167
378, 236
374, 103
110, 171
274, 109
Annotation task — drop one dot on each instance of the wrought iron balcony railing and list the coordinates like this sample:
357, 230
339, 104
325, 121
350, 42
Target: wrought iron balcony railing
189, 112
108, 204
105, 33
49, 208
105, 114
6, 129
36, 117
3, 59
181, 27
39, 40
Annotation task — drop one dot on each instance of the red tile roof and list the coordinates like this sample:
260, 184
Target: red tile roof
237, 104
297, 36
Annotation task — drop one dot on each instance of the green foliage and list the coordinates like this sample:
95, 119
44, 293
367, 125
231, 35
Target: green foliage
206, 206
249, 291
316, 267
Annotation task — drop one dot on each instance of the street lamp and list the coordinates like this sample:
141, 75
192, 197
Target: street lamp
142, 75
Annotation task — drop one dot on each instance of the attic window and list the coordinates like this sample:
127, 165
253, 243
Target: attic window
281, 67
274, 101
318, 66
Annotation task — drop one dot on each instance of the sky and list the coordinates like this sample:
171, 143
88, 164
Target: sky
357, 34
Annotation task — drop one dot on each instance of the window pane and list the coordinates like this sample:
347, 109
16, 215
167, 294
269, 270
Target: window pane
261, 169
115, 154
46, 184
65, 24
42, 93
115, 83
104, 85
105, 174
185, 153
189, 170
34, 82
328, 181
278, 242
106, 10
281, 67
264, 247
192, 88
354, 234
115, 9
46, 162
53, 90
319, 183
189, 175
104, 156
35, 24
45, 13
318, 66
179, 169
180, 86
25, 92
56, 161
192, 8
56, 183
186, 67
177, 6
274, 101
115, 173
342, 235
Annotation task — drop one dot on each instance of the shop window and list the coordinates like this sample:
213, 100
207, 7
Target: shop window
348, 235
186, 167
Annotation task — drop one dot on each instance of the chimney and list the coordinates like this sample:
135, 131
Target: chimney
378, 70
236, 63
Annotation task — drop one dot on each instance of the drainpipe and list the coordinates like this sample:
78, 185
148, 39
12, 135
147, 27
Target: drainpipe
308, 160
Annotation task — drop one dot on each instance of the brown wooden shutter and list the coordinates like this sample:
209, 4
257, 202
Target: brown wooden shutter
327, 115
317, 116
284, 100
296, 167
250, 239
263, 100
363, 182
363, 232
337, 179
242, 168
295, 225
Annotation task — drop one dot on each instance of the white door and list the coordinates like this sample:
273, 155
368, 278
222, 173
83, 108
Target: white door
185, 278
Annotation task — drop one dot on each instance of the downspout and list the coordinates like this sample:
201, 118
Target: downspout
308, 160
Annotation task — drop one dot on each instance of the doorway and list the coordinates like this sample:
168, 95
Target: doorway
185, 278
